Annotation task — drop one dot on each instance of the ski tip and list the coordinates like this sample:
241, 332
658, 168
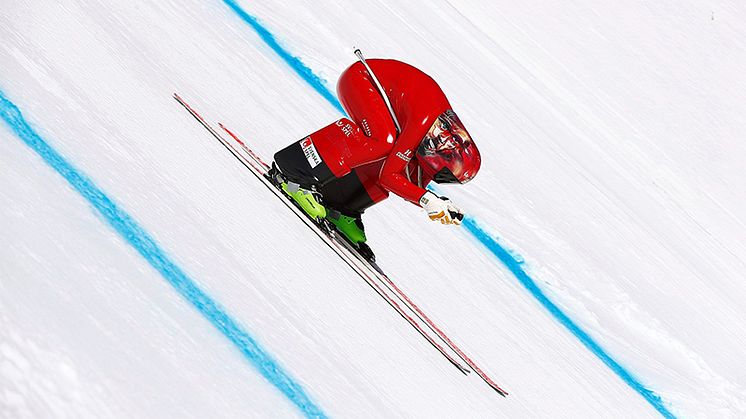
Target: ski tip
501, 391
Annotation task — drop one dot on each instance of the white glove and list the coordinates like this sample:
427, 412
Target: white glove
440, 208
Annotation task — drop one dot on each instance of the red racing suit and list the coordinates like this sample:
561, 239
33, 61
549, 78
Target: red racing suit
383, 162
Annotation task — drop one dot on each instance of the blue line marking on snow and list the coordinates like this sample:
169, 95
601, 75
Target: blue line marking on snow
294, 62
138, 238
515, 266
511, 261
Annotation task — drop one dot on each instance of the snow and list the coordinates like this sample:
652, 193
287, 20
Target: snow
612, 137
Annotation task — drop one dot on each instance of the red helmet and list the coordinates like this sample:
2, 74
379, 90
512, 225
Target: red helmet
447, 153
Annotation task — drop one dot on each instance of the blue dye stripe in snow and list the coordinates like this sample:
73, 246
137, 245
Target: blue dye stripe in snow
138, 238
515, 265
306, 73
511, 261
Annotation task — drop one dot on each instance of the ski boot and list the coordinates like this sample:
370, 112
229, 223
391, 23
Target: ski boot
306, 199
353, 230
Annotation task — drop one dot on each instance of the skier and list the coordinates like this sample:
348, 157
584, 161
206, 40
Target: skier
339, 171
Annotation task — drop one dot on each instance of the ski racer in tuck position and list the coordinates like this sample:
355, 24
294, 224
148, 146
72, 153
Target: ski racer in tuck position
339, 171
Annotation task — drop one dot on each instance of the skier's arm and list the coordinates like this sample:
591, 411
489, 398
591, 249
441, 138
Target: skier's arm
438, 208
392, 174
400, 185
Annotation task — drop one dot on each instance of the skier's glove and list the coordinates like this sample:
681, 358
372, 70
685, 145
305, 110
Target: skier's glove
440, 208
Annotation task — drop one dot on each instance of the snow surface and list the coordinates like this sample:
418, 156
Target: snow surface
613, 143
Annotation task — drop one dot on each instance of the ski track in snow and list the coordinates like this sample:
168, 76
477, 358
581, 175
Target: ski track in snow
138, 238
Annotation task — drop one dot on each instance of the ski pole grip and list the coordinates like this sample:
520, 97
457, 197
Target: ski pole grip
457, 215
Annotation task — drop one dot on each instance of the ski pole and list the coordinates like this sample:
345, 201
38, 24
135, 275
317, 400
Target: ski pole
380, 89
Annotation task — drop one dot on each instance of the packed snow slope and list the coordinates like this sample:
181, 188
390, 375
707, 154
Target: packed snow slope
144, 273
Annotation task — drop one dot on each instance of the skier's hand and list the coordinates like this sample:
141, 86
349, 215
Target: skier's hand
440, 208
